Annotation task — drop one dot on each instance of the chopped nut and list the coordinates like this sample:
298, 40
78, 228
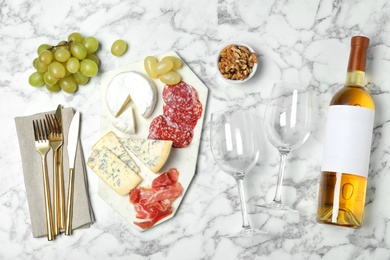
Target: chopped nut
236, 62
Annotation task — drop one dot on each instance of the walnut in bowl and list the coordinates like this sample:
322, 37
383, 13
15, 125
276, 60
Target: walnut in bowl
237, 62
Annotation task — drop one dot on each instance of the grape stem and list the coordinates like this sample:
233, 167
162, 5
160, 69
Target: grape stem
69, 43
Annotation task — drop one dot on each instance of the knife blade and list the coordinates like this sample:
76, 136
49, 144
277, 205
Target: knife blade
60, 175
73, 136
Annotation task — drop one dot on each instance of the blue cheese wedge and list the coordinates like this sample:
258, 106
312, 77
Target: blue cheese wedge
152, 153
113, 171
111, 142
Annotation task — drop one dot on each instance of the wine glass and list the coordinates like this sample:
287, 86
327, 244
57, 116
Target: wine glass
287, 123
235, 149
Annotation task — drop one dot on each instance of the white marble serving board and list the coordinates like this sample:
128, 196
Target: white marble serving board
184, 159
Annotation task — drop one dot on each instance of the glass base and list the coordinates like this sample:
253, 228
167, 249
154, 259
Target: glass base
248, 232
278, 206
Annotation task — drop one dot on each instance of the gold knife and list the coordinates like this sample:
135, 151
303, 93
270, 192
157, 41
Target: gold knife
73, 136
60, 176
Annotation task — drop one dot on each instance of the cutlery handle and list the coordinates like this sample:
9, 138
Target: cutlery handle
46, 191
61, 192
69, 217
55, 195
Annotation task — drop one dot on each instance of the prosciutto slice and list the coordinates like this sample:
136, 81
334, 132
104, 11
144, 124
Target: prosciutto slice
154, 203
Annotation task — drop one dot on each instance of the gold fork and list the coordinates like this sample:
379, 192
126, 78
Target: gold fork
55, 141
42, 147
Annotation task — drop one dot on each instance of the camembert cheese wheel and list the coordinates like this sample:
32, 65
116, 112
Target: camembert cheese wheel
142, 91
152, 153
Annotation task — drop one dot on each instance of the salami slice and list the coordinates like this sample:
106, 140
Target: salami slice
160, 130
180, 96
185, 119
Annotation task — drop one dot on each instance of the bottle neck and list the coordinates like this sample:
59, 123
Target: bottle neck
355, 78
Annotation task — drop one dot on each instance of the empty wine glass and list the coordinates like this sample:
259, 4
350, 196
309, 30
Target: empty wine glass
235, 149
287, 123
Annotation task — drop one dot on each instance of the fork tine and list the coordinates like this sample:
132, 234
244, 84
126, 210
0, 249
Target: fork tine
43, 130
56, 124
35, 130
49, 124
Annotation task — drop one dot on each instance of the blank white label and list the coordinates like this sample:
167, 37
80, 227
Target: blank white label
348, 140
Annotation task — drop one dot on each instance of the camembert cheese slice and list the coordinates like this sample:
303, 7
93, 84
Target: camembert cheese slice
113, 171
112, 143
152, 153
125, 122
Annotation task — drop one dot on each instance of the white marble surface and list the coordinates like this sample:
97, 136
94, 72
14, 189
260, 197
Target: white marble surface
302, 40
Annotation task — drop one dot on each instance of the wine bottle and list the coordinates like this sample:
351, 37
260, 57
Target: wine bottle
347, 147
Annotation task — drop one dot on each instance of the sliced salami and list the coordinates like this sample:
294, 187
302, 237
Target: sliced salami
180, 115
180, 96
160, 130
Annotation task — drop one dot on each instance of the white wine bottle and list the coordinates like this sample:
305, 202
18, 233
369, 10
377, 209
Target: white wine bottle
347, 148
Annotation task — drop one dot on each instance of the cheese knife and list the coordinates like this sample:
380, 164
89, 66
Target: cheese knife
73, 137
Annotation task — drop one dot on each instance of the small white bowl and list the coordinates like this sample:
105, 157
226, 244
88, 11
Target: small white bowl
254, 68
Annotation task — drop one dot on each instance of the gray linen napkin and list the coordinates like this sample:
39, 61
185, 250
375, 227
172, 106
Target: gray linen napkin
82, 210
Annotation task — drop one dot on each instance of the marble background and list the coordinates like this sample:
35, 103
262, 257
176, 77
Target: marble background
302, 40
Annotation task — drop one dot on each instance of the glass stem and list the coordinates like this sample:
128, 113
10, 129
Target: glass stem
278, 195
240, 183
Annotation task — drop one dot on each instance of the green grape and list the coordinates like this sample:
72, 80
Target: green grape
62, 55
163, 67
149, 64
67, 72
93, 58
78, 51
80, 78
91, 44
39, 66
49, 80
73, 65
36, 79
177, 63
68, 84
88, 68
118, 47
75, 37
170, 78
45, 57
43, 47
53, 88
57, 70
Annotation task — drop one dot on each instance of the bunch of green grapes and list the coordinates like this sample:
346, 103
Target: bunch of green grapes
66, 65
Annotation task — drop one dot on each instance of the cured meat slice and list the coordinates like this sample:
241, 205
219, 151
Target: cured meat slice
160, 130
182, 110
180, 96
177, 115
164, 180
149, 223
153, 204
171, 191
183, 119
